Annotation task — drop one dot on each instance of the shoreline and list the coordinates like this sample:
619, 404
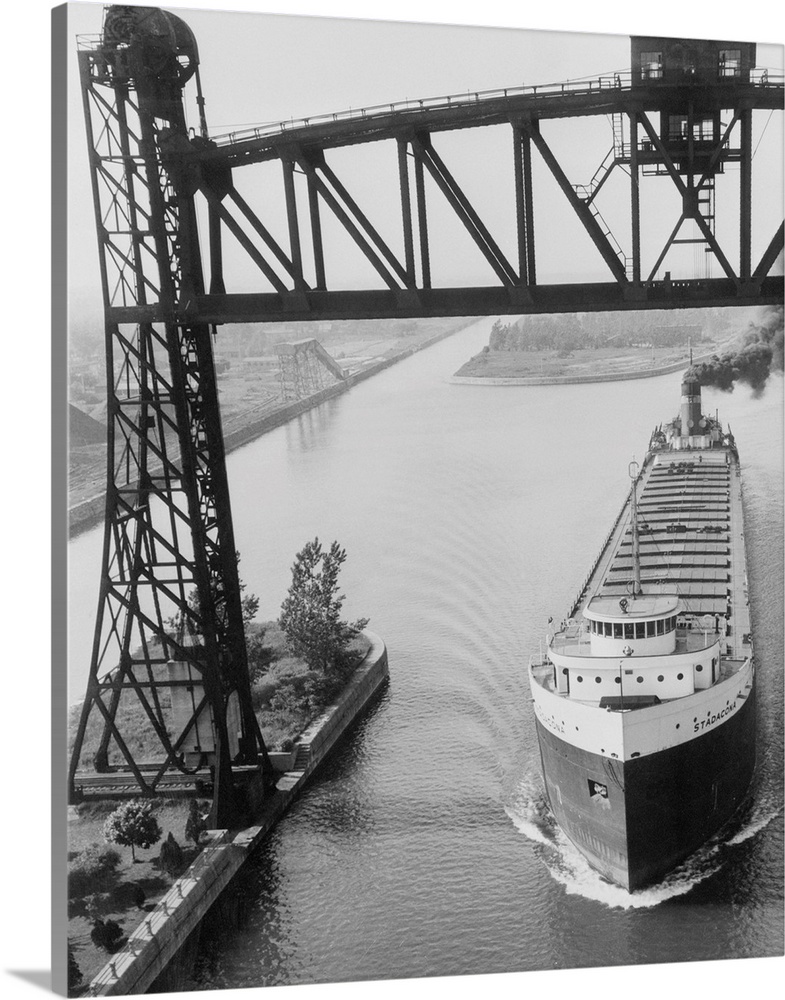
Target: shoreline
89, 513
622, 376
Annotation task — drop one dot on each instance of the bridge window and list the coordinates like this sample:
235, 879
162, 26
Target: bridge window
640, 630
703, 129
660, 627
651, 65
629, 630
730, 63
618, 630
677, 128
651, 628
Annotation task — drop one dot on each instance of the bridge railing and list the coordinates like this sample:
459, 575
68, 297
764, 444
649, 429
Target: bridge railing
613, 81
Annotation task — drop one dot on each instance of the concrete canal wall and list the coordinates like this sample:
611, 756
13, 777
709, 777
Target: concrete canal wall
160, 954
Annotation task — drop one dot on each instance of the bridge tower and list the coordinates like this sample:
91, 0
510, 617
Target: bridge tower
169, 646
693, 143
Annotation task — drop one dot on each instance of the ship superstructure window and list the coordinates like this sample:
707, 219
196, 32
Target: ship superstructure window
629, 630
651, 628
660, 627
640, 630
618, 630
651, 65
730, 63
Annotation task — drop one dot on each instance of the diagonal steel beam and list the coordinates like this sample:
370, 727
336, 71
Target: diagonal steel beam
360, 216
771, 253
231, 224
689, 200
583, 212
342, 215
423, 149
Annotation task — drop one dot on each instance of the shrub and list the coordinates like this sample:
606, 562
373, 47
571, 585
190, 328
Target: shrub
106, 934
171, 856
129, 894
91, 870
133, 825
196, 823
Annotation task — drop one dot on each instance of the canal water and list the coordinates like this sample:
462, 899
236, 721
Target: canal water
471, 514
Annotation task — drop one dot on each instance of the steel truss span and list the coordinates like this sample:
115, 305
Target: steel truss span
169, 629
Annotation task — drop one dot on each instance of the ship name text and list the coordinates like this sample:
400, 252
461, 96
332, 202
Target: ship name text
712, 718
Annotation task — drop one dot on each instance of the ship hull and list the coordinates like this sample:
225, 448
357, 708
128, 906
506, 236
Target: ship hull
636, 820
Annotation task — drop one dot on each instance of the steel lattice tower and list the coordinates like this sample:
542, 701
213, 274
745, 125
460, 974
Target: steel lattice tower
168, 529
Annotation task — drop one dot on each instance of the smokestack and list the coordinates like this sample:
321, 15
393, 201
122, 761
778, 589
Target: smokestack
692, 421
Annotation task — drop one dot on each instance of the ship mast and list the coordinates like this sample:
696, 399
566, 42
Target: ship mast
636, 551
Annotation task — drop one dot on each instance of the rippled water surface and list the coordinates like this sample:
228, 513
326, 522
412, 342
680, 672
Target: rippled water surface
470, 514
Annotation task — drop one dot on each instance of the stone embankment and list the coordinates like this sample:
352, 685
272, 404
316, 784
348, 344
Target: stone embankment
159, 955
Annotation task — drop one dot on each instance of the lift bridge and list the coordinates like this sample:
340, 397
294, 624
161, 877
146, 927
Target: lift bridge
169, 646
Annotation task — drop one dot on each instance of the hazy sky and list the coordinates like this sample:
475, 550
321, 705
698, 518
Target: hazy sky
261, 68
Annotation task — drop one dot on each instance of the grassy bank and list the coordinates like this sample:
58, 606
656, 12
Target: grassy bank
286, 696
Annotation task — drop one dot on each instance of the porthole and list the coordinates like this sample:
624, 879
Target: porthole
660, 678
579, 679
679, 677
699, 667
564, 670
598, 680
639, 680
678, 725
617, 679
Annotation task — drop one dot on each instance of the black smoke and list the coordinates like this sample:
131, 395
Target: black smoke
758, 352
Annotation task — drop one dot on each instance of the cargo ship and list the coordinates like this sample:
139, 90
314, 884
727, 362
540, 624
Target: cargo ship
644, 698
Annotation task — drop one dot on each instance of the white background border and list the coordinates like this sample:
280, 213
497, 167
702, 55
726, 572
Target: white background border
26, 518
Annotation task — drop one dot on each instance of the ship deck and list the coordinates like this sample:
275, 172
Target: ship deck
691, 536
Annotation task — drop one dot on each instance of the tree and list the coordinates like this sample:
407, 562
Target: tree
310, 615
133, 825
248, 602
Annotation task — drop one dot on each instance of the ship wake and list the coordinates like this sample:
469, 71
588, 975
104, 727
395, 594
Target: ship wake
529, 811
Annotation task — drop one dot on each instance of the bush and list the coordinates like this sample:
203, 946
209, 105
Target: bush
129, 894
133, 825
171, 856
91, 870
196, 823
106, 934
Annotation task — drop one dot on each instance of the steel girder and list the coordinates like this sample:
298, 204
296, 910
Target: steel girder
170, 594
406, 287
